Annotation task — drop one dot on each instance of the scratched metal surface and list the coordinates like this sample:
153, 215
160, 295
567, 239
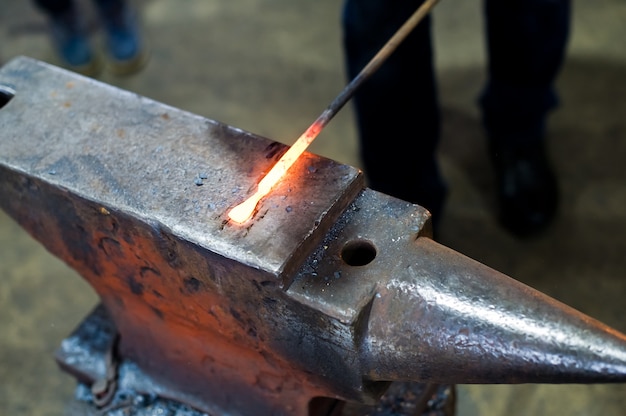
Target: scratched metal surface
149, 159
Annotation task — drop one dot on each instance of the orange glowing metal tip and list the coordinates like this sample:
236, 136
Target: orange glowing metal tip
243, 212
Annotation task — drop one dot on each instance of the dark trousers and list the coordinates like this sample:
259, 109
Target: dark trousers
397, 109
58, 8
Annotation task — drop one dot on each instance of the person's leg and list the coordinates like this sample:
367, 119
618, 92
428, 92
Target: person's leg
54, 7
125, 45
396, 109
526, 43
69, 35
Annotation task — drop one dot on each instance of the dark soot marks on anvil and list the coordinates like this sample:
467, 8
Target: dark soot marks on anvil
192, 285
269, 302
157, 312
273, 149
167, 246
135, 286
73, 229
147, 272
235, 314
111, 247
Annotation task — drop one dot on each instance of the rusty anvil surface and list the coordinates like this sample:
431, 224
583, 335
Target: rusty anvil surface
331, 290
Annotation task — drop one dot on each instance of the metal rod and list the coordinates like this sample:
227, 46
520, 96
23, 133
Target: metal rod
373, 65
244, 211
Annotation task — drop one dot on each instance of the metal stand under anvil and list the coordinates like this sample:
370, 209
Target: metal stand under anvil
330, 293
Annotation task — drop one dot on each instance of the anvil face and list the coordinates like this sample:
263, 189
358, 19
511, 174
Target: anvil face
331, 289
149, 159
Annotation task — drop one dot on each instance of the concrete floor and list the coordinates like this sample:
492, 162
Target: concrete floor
270, 67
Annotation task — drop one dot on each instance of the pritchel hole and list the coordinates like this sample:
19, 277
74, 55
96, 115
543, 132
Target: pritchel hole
6, 94
358, 252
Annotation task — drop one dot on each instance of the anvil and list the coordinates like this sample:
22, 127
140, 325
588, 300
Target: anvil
331, 290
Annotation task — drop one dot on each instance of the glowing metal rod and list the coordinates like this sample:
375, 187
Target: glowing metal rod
242, 212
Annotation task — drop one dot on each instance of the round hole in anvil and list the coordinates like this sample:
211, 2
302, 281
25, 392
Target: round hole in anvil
358, 252
6, 94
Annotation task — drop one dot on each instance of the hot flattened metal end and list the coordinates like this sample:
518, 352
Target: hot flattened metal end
449, 319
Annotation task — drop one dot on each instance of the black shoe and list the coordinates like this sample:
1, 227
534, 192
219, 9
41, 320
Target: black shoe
527, 190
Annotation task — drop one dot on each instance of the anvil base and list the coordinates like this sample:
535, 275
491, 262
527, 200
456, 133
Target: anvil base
83, 354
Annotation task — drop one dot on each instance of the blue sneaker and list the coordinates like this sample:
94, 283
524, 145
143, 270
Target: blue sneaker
71, 41
126, 49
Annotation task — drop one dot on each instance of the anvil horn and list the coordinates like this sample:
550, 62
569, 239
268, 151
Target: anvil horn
434, 315
449, 319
